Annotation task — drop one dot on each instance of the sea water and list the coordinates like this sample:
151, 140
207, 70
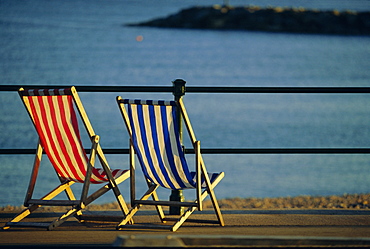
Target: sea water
87, 43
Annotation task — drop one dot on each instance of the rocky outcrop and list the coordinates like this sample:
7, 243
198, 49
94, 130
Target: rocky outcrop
274, 19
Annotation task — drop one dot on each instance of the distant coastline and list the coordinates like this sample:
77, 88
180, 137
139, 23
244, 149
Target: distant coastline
271, 19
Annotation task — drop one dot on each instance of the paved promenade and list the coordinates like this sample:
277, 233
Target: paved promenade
244, 228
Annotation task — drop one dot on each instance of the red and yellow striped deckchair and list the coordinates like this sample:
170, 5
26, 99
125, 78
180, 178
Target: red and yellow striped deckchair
54, 117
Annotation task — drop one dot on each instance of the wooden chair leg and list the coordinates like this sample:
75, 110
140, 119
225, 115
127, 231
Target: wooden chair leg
21, 215
62, 187
214, 200
217, 208
35, 171
63, 218
157, 207
136, 207
129, 216
204, 194
101, 191
183, 218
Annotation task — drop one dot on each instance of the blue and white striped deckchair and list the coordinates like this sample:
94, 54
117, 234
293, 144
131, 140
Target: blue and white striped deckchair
153, 127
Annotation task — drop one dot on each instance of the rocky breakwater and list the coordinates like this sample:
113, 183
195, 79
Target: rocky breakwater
272, 19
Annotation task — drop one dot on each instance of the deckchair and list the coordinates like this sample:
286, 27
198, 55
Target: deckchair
153, 127
53, 114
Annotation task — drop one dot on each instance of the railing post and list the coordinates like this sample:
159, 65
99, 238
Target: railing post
177, 195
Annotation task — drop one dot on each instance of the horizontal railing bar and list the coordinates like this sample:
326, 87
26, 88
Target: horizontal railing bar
278, 89
200, 89
284, 151
93, 88
226, 151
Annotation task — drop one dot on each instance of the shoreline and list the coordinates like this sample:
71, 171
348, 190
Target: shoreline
346, 201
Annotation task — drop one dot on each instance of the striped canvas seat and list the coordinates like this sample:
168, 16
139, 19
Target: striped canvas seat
154, 132
157, 143
53, 114
55, 120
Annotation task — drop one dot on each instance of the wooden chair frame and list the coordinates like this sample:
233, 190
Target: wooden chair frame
151, 192
77, 205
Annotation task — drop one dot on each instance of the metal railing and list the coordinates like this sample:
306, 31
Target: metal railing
198, 89
180, 89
